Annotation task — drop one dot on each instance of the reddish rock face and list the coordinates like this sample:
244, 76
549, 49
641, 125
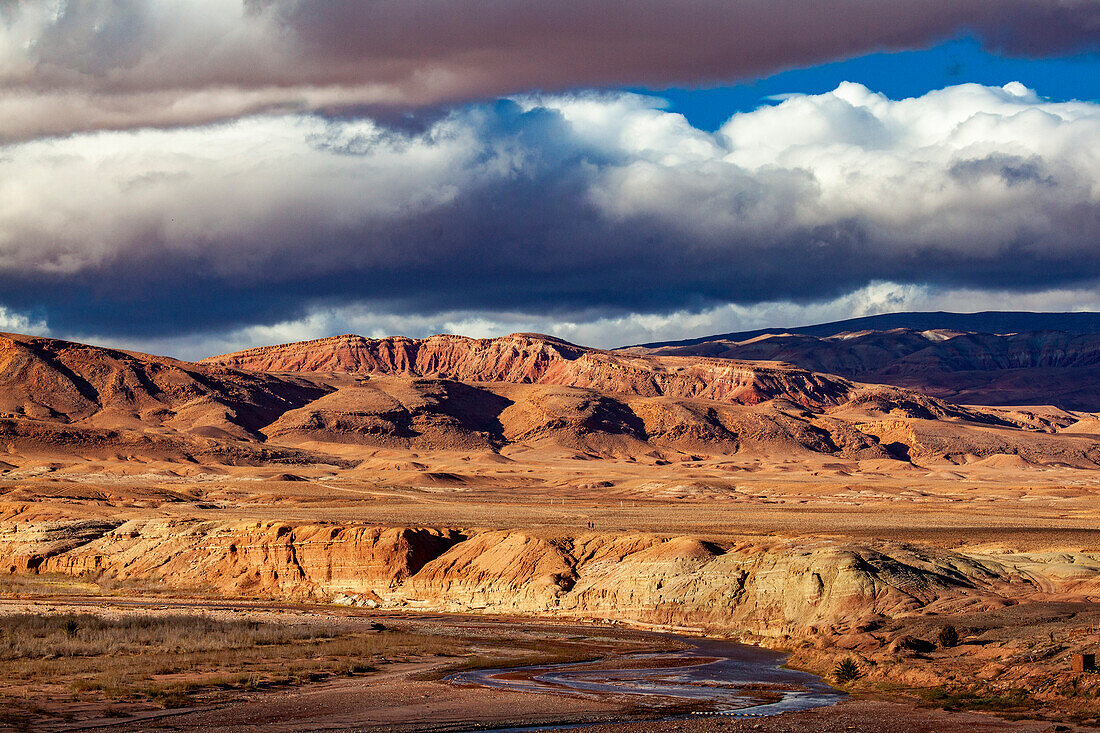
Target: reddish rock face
306, 402
534, 359
71, 383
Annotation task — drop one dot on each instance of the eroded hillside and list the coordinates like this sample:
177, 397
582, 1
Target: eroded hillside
1019, 368
335, 401
535, 359
770, 587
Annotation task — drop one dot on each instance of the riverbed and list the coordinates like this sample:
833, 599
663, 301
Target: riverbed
708, 676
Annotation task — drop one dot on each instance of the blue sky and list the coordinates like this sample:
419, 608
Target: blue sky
898, 75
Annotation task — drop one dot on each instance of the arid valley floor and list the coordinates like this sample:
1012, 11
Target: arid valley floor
336, 525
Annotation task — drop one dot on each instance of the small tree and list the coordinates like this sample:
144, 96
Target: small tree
847, 670
948, 637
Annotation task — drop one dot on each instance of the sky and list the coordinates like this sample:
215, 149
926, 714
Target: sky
192, 177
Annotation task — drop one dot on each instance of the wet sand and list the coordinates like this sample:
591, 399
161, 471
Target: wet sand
716, 675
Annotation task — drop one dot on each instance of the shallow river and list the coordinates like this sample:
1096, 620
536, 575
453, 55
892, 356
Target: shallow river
726, 677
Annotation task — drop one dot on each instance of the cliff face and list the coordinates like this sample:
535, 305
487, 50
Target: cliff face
515, 358
269, 559
769, 587
534, 359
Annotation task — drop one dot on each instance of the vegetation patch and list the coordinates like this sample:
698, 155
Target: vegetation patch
175, 660
1012, 701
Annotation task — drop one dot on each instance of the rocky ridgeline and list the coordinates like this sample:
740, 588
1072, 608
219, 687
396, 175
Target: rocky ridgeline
768, 587
284, 404
535, 359
1032, 367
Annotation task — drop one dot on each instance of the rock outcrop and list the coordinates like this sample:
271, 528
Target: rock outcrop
271, 559
535, 359
771, 588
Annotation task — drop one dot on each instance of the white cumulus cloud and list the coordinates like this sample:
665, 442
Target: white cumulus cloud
568, 209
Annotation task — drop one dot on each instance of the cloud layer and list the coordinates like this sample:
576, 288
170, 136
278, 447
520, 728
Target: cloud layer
604, 332
73, 65
569, 209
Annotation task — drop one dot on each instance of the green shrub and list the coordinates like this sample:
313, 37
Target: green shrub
847, 671
1010, 701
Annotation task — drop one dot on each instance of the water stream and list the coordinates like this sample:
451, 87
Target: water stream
723, 677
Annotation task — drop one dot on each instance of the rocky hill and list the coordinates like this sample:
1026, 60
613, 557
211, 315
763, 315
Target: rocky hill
334, 400
1060, 368
61, 396
535, 359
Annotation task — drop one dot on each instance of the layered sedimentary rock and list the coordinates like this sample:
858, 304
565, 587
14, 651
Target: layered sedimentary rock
449, 393
768, 587
536, 359
262, 558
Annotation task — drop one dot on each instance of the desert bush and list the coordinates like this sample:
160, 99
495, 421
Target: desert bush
847, 670
70, 626
948, 637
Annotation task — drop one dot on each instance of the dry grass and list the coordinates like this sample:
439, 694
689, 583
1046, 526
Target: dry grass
169, 658
47, 584
37, 636
86, 584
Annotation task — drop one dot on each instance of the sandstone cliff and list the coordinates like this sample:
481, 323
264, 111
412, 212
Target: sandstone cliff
776, 587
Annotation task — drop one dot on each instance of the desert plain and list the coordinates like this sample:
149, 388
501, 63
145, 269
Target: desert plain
338, 525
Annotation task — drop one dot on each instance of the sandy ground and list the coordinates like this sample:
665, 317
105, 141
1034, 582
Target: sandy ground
393, 701
400, 698
388, 701
855, 716
719, 499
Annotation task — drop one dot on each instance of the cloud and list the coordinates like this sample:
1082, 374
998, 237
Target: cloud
568, 209
68, 65
609, 332
14, 322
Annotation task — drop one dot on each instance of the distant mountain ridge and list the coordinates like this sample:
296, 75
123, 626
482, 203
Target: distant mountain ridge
995, 322
992, 358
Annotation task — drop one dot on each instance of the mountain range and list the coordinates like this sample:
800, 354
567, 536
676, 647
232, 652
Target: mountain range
992, 358
891, 394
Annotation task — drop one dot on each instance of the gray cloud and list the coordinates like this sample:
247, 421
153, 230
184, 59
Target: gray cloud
564, 209
102, 64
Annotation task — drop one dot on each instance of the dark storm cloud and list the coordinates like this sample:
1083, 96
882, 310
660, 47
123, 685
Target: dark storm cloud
1011, 169
97, 64
562, 207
